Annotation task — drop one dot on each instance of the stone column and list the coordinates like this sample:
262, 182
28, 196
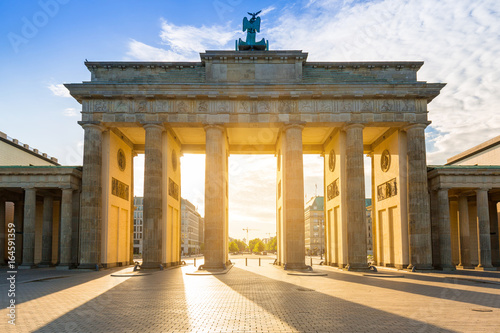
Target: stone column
152, 216
91, 198
419, 224
483, 230
29, 228
18, 221
375, 229
215, 207
132, 209
446, 262
293, 196
495, 245
2, 231
463, 227
356, 216
48, 203
66, 227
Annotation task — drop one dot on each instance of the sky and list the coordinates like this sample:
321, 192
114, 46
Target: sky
43, 44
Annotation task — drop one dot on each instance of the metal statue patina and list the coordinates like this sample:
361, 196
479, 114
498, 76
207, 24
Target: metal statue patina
252, 26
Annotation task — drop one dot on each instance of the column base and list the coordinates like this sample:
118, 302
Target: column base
357, 267
465, 267
95, 267
152, 265
295, 266
420, 267
485, 268
446, 268
63, 267
45, 264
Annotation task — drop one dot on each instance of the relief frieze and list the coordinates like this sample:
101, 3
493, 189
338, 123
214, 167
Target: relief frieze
162, 106
101, 105
333, 191
173, 189
387, 190
121, 106
259, 106
119, 189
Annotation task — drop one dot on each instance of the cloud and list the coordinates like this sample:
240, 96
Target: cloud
59, 90
183, 43
70, 112
457, 39
267, 10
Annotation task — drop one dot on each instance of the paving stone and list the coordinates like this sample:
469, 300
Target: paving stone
253, 299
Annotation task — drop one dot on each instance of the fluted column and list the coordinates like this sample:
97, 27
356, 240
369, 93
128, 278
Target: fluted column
152, 216
444, 230
66, 227
355, 196
483, 230
495, 245
215, 204
29, 227
18, 221
419, 224
48, 203
132, 210
2, 231
293, 196
91, 197
464, 231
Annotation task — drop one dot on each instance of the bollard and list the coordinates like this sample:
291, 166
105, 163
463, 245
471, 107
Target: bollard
194, 262
246, 261
259, 261
311, 261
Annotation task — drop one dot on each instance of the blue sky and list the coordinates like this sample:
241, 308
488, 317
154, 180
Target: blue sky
459, 40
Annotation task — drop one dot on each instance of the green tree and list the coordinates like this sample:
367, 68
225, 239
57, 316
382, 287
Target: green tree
241, 245
271, 245
233, 247
252, 243
259, 247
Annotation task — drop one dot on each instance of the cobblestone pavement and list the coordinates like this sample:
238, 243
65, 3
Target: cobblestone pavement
253, 299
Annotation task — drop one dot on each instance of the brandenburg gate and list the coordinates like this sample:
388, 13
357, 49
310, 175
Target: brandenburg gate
256, 102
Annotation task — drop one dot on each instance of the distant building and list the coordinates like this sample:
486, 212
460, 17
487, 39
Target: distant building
190, 228
369, 238
314, 217
13, 152
465, 209
35, 182
138, 224
201, 233
486, 153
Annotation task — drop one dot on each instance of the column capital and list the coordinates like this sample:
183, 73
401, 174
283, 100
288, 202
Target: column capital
482, 189
156, 124
443, 188
298, 124
218, 126
348, 126
92, 124
416, 126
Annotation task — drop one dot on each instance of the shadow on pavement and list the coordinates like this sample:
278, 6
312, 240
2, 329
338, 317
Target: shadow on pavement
457, 295
307, 310
136, 305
